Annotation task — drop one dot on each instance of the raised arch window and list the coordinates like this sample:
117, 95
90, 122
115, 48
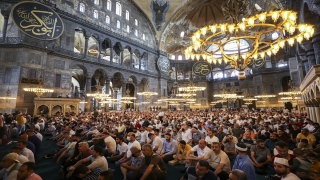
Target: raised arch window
82, 7
109, 5
95, 14
118, 24
180, 57
127, 15
136, 32
136, 22
235, 73
144, 37
218, 75
96, 2
118, 8
128, 28
107, 19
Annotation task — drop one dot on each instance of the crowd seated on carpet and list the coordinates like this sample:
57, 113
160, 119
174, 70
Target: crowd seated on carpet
235, 144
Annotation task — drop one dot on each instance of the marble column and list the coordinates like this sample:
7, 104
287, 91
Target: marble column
5, 25
106, 106
311, 113
86, 45
316, 47
131, 60
317, 110
88, 106
123, 105
116, 102
121, 57
306, 66
139, 63
111, 55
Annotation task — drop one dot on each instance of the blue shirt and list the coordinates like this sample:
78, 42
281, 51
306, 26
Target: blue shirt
169, 147
245, 164
271, 144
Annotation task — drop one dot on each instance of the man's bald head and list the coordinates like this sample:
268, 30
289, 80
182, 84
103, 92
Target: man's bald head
23, 137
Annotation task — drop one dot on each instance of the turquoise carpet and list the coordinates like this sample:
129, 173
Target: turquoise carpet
48, 169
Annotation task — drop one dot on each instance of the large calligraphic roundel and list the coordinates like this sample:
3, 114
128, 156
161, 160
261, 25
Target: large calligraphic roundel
257, 63
163, 64
201, 68
37, 20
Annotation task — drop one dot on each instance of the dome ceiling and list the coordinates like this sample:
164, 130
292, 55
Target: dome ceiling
196, 14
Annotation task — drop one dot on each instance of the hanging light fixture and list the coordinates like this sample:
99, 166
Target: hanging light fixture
264, 96
291, 94
147, 94
245, 39
8, 97
39, 90
99, 96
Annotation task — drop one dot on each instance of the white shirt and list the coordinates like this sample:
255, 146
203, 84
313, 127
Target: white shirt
186, 135
99, 162
157, 142
131, 144
22, 159
138, 135
144, 136
28, 153
39, 136
290, 176
201, 152
122, 148
211, 140
112, 144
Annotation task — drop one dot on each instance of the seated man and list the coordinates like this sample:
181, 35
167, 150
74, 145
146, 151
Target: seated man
201, 150
131, 168
169, 148
281, 166
200, 171
105, 175
260, 155
85, 152
219, 161
121, 151
83, 172
156, 143
10, 165
153, 166
183, 148
25, 151
97, 161
26, 171
283, 150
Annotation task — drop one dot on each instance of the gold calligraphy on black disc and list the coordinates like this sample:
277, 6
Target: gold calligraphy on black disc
163, 64
201, 68
37, 20
258, 63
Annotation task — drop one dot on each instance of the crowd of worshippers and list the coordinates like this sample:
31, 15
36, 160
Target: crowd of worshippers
220, 144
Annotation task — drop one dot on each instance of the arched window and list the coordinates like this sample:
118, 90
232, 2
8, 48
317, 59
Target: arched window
173, 57
95, 14
82, 8
136, 32
136, 22
127, 15
118, 24
144, 37
218, 75
118, 8
107, 19
128, 28
96, 2
109, 5
235, 73
180, 57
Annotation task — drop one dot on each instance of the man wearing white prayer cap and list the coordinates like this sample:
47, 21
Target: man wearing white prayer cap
281, 166
243, 162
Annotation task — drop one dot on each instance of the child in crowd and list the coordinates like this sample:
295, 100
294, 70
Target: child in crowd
301, 165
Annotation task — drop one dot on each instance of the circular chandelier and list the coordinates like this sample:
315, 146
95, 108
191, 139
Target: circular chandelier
39, 90
242, 41
147, 94
8, 97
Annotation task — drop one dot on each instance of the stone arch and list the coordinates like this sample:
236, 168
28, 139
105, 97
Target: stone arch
57, 108
79, 40
117, 48
127, 56
106, 48
78, 72
133, 80
117, 80
42, 109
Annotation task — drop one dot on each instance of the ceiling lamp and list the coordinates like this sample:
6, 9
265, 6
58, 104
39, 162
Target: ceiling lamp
147, 94
39, 90
264, 95
291, 94
8, 97
191, 87
127, 97
98, 96
245, 40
